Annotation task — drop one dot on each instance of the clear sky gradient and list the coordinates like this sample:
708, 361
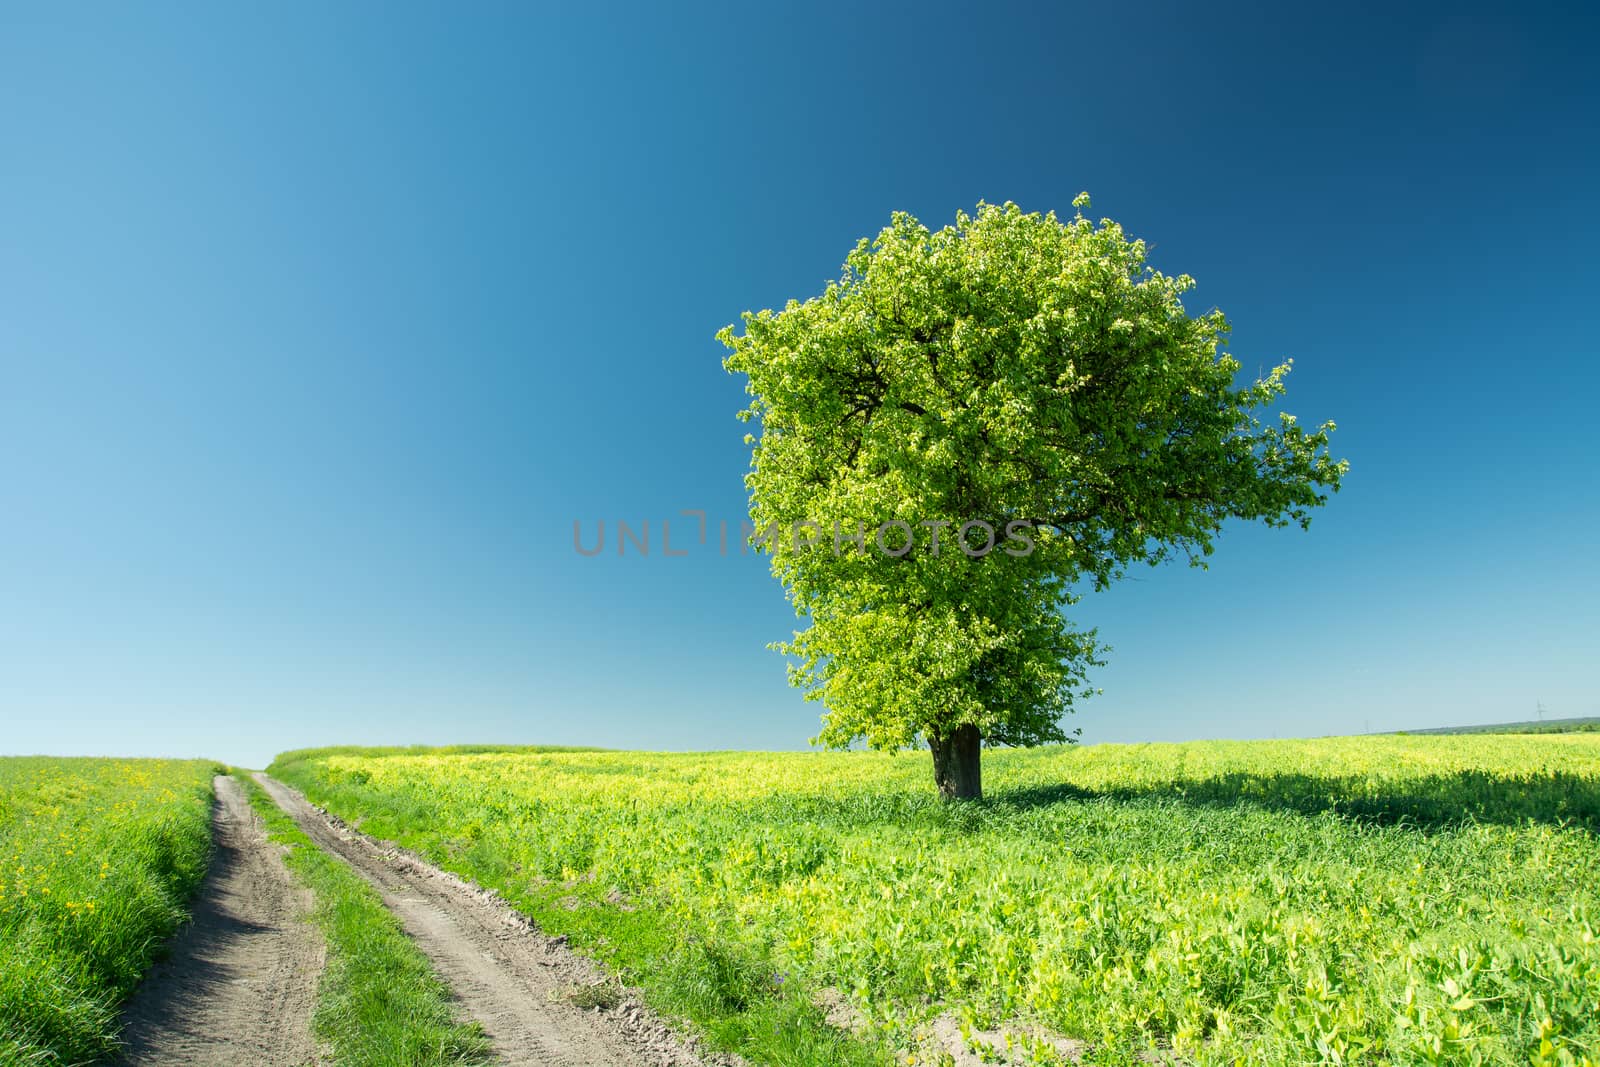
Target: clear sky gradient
321, 324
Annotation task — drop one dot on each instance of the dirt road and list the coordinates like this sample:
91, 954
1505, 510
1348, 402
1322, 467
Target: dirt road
240, 982
507, 975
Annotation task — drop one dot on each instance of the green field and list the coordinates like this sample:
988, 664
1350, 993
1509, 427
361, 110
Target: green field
1366, 900
98, 858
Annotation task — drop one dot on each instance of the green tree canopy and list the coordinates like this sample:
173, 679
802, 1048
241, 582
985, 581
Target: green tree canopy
1011, 373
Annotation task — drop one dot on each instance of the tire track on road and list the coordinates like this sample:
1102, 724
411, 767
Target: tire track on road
239, 982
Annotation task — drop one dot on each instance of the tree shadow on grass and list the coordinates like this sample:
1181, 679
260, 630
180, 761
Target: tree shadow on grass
1554, 798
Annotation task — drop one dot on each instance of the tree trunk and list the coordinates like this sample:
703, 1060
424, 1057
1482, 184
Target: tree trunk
957, 766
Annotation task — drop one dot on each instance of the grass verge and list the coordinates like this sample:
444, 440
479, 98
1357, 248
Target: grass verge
379, 1003
98, 861
729, 987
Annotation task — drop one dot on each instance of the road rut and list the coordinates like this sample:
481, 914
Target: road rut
239, 983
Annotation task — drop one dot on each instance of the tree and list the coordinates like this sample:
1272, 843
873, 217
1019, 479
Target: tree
1015, 374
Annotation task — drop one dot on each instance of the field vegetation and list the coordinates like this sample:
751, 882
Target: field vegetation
98, 859
1415, 900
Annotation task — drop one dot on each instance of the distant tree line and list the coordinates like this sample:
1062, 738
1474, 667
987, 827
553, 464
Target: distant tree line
1587, 725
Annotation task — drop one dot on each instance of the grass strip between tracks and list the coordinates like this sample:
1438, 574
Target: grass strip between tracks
379, 1002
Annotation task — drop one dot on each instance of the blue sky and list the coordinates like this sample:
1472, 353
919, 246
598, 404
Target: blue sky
320, 326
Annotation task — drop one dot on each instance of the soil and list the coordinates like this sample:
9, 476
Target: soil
239, 982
